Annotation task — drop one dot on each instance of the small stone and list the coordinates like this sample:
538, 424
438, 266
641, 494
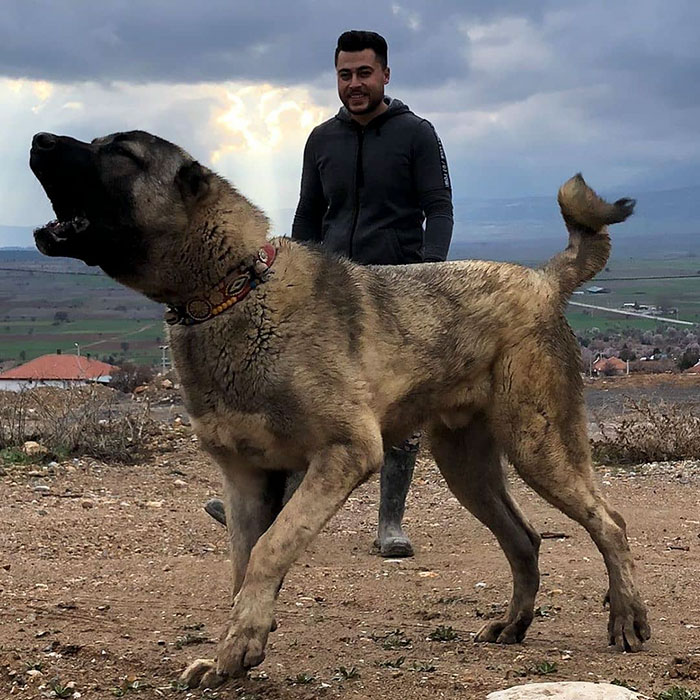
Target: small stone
33, 448
42, 488
52, 465
180, 483
568, 690
87, 503
166, 384
154, 504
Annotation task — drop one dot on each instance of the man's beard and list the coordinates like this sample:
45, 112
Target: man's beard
372, 104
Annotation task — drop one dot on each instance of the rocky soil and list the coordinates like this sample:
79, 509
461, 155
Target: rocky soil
112, 578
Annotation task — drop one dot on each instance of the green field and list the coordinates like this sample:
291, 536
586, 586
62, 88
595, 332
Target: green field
580, 321
45, 310
100, 338
683, 294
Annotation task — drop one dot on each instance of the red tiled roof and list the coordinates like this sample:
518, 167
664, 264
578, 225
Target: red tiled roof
610, 362
60, 367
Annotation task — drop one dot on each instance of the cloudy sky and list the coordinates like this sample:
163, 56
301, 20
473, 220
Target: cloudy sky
523, 93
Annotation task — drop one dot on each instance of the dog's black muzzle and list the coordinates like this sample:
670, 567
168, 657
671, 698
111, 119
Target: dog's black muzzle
65, 168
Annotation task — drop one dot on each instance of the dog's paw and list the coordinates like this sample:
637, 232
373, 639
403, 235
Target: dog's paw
501, 632
241, 650
202, 673
628, 628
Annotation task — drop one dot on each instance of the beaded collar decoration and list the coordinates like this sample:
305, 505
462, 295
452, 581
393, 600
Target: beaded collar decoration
234, 287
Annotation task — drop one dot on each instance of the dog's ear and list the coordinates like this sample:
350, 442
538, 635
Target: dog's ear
193, 180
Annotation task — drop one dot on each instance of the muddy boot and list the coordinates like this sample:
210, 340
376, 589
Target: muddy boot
395, 480
215, 508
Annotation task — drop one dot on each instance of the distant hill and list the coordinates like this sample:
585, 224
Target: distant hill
18, 255
669, 212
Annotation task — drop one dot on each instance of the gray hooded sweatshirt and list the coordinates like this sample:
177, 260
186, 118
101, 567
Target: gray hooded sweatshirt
366, 191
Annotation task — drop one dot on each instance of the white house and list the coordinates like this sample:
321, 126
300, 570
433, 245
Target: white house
56, 370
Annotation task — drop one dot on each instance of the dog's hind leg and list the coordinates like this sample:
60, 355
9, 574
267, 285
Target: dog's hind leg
252, 500
470, 461
543, 427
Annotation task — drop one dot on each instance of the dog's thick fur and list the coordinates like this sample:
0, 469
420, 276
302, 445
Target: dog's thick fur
327, 362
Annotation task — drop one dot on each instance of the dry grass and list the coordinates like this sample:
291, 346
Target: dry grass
81, 420
650, 432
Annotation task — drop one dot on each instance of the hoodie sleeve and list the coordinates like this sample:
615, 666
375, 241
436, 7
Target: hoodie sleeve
432, 183
309, 213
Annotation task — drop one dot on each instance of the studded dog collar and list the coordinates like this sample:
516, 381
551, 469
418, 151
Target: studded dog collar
234, 287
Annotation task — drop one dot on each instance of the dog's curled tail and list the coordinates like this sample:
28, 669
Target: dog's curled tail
587, 217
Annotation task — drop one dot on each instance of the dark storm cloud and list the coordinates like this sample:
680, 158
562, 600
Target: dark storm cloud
637, 47
184, 41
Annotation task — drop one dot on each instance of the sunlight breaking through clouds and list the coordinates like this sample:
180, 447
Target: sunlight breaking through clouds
39, 89
264, 119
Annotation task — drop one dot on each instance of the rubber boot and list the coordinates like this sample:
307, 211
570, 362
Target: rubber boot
215, 508
394, 483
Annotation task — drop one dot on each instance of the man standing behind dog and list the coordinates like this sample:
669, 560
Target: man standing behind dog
371, 175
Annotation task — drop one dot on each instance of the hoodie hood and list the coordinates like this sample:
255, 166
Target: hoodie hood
395, 107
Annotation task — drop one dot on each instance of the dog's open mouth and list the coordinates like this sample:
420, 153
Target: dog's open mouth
62, 230
52, 238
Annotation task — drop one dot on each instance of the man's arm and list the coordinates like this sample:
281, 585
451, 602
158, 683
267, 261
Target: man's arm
432, 182
312, 205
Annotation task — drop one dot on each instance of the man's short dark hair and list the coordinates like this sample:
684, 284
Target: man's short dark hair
359, 40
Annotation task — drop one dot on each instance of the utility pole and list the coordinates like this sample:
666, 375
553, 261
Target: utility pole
77, 348
164, 360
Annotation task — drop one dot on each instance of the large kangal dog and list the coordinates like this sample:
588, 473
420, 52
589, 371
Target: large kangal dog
294, 360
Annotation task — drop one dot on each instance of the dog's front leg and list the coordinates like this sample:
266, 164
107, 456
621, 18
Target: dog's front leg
331, 477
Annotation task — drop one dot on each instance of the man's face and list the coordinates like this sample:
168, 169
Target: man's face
361, 81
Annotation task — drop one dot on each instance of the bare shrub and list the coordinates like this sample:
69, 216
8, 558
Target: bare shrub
129, 376
84, 420
650, 433
14, 413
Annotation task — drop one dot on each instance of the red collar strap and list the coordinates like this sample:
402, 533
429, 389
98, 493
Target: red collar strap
232, 289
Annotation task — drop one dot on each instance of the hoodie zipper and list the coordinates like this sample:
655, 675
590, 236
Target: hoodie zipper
359, 181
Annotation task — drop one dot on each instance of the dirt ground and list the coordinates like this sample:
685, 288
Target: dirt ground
112, 578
